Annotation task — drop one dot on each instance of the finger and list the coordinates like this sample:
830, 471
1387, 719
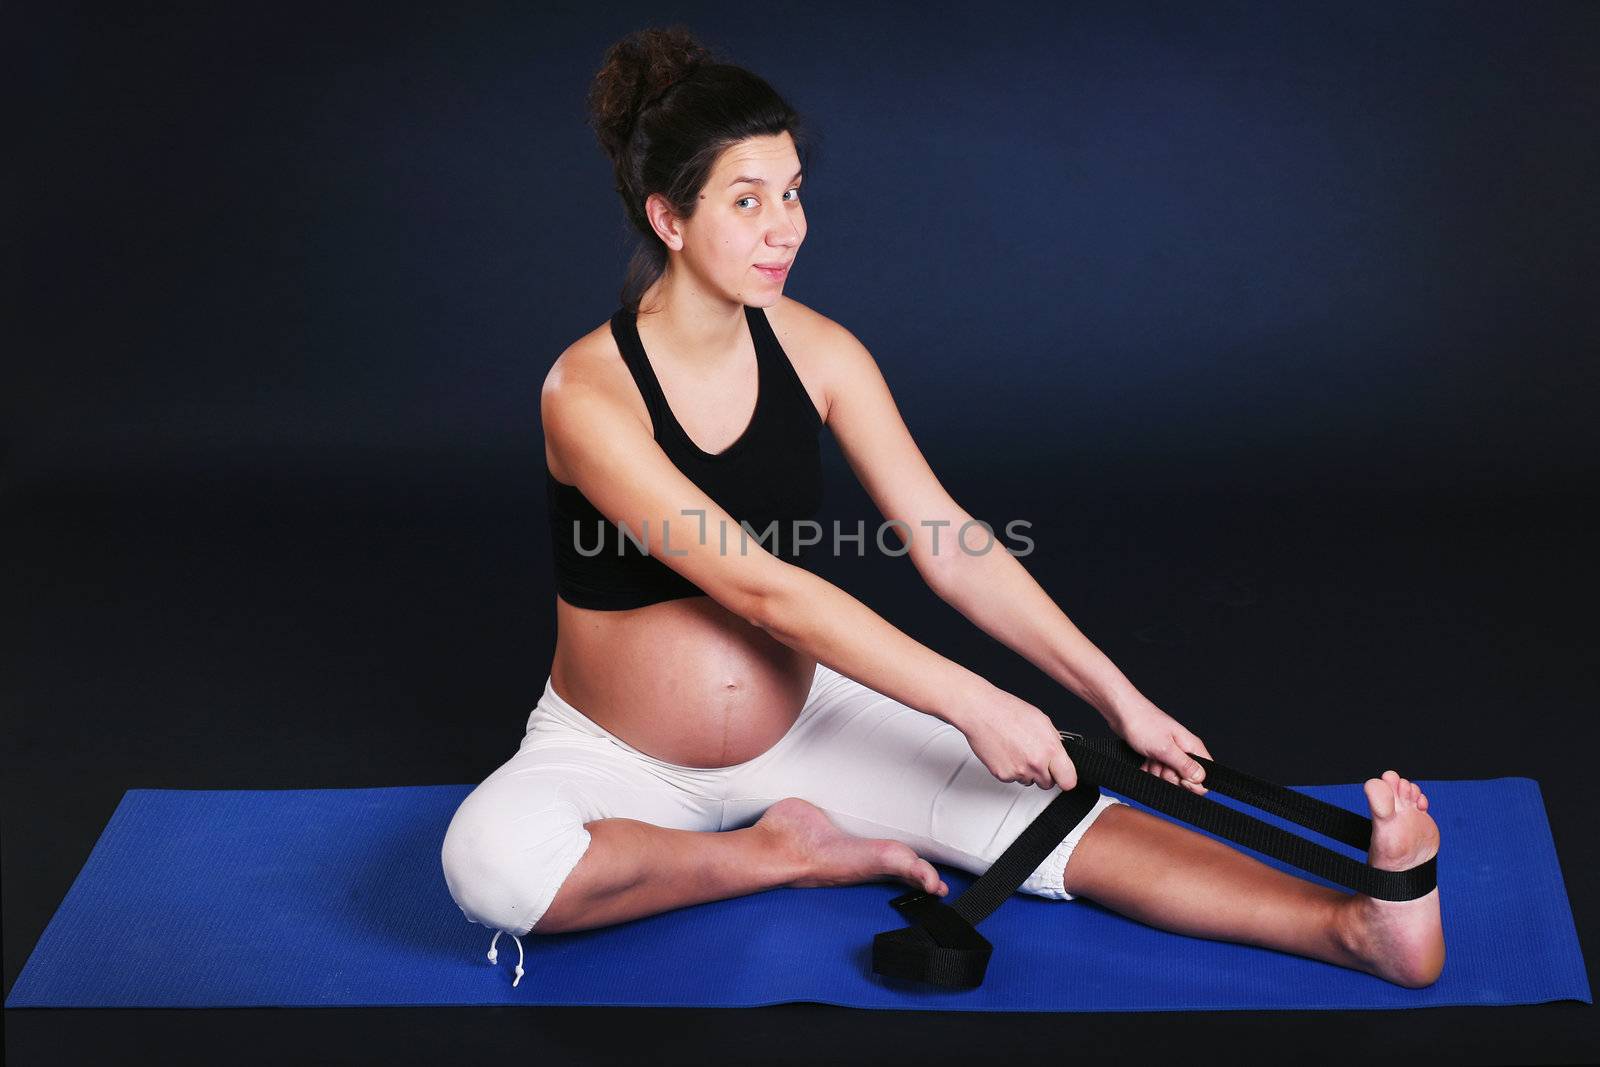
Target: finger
1064, 773
1177, 757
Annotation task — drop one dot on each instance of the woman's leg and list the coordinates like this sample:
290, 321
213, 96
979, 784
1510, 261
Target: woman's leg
878, 769
579, 831
561, 828
1164, 875
1176, 879
632, 869
872, 766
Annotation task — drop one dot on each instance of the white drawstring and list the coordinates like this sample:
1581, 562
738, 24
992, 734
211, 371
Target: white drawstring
494, 955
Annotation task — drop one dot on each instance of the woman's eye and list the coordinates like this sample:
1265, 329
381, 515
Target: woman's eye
795, 190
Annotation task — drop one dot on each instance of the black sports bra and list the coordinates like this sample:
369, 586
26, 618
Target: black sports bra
768, 478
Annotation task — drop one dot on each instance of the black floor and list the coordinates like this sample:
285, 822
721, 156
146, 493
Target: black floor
313, 629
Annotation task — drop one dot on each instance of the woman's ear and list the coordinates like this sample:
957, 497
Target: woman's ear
664, 221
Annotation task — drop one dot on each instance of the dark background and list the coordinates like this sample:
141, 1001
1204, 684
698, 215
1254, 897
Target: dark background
1278, 322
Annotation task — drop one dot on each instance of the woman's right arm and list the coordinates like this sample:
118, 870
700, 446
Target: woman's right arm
611, 457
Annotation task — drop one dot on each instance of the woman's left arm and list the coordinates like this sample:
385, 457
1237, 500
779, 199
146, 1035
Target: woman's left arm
992, 589
996, 592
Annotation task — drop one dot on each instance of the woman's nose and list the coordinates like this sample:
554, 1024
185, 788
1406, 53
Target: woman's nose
784, 229
784, 233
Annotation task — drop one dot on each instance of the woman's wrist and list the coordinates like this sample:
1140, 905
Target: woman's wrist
1125, 707
966, 692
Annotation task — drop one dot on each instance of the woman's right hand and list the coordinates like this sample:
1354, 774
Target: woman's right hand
1017, 742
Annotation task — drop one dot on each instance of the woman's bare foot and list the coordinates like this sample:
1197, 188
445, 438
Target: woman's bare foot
829, 856
1401, 941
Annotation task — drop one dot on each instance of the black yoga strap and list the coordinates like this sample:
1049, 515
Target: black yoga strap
942, 945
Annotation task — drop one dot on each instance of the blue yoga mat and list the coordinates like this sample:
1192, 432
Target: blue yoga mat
326, 897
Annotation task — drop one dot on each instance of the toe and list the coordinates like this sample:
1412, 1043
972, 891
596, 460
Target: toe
1380, 797
916, 870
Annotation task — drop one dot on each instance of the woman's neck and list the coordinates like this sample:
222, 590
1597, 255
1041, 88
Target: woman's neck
689, 324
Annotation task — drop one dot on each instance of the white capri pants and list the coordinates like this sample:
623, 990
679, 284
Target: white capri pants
878, 768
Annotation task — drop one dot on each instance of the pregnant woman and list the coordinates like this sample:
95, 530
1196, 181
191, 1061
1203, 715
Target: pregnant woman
718, 719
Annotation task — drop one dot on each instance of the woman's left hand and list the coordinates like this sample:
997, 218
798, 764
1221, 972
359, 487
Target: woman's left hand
1165, 743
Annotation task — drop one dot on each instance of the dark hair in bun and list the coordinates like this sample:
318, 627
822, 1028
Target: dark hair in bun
664, 108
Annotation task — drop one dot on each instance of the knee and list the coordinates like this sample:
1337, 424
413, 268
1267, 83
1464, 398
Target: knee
1050, 878
504, 864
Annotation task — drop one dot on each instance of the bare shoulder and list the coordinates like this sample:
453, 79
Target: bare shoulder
592, 361
823, 352
591, 375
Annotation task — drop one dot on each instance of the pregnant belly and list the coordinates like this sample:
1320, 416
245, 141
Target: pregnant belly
686, 681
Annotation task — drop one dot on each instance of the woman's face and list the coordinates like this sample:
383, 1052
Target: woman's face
748, 216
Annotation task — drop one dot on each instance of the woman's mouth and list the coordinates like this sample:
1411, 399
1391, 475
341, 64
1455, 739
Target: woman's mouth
776, 274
